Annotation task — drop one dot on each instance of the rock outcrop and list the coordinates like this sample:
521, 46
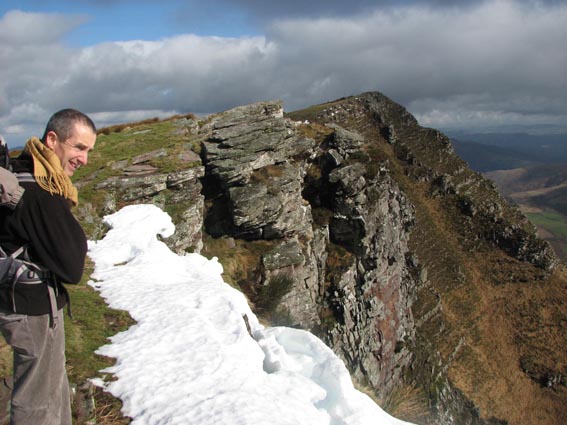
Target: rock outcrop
270, 177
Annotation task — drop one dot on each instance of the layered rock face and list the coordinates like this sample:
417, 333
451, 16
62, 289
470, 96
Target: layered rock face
140, 182
348, 270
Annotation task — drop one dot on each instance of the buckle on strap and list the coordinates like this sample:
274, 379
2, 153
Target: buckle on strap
31, 277
53, 304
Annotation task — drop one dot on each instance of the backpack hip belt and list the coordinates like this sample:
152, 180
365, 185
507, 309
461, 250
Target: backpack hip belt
14, 271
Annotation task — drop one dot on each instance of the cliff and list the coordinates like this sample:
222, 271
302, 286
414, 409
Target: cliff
352, 221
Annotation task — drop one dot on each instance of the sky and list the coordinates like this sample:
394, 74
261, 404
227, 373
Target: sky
190, 358
476, 65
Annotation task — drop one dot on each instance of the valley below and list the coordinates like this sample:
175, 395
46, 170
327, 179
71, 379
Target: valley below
540, 192
530, 172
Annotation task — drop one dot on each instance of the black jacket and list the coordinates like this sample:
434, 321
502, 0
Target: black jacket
55, 238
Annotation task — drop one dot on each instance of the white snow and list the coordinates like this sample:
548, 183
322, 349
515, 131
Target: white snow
190, 358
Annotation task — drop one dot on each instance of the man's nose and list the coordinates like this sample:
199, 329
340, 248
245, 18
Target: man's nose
84, 158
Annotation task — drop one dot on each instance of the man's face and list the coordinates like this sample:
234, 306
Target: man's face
73, 152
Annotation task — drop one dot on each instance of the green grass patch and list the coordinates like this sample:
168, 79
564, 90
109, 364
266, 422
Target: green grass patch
92, 324
309, 114
132, 141
551, 221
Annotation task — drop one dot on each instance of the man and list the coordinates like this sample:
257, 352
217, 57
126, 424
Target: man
31, 316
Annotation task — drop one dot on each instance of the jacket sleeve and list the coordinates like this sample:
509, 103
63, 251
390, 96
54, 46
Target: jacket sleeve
57, 240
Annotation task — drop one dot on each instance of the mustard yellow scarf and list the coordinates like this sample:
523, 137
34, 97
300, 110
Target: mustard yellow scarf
48, 171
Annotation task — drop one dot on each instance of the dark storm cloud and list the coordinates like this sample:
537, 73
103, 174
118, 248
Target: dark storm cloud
491, 63
275, 10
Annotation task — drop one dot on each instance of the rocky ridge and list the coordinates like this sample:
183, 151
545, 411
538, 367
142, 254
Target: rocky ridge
322, 218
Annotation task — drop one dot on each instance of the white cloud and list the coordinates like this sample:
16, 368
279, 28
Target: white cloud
18, 28
497, 60
512, 56
183, 73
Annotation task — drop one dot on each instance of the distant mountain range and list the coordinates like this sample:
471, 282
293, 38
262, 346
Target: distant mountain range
530, 171
502, 151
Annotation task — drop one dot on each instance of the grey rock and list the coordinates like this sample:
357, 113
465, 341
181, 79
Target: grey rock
287, 254
160, 153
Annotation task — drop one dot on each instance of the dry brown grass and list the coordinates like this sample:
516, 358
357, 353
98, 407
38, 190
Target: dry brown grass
240, 260
107, 409
508, 314
407, 403
315, 131
121, 127
265, 175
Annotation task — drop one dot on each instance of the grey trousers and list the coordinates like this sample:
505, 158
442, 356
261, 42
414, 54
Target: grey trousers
40, 395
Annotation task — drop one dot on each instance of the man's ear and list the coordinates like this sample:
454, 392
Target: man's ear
51, 140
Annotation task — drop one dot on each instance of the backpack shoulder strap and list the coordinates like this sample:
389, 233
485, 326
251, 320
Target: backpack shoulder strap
25, 177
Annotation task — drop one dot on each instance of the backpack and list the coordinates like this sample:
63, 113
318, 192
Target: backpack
12, 268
